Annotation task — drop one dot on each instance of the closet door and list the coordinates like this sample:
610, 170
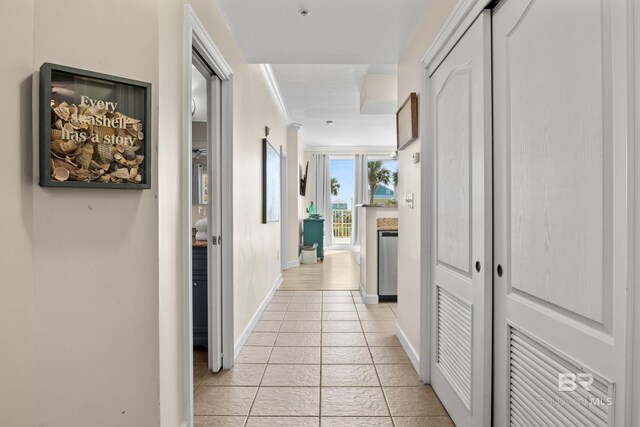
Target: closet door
460, 101
562, 224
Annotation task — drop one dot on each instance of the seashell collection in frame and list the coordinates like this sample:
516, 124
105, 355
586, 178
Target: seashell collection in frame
94, 130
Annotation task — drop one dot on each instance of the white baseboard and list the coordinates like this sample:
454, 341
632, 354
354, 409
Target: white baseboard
368, 299
340, 248
294, 263
408, 348
356, 255
254, 320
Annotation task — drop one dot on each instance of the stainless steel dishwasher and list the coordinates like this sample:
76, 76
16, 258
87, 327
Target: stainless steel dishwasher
387, 265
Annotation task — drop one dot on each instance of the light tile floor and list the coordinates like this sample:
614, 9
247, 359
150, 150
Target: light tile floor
318, 358
338, 271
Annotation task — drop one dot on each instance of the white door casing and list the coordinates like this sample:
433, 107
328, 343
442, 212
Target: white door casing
459, 92
561, 209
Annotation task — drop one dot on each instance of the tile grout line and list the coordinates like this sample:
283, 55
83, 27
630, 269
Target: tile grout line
322, 319
321, 347
375, 368
246, 421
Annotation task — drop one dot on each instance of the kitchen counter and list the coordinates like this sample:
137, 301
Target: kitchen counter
373, 219
387, 224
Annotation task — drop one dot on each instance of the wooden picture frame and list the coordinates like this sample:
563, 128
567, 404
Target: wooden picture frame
94, 129
407, 121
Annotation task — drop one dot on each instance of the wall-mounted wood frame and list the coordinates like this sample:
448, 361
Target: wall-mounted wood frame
407, 121
95, 130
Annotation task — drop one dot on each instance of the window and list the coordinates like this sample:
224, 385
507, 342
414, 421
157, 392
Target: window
342, 198
383, 178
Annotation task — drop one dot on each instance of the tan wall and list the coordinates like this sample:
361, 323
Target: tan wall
311, 181
92, 280
171, 273
96, 297
78, 305
409, 259
256, 245
636, 333
295, 158
19, 323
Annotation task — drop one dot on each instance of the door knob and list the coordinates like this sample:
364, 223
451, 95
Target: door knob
195, 284
500, 270
478, 266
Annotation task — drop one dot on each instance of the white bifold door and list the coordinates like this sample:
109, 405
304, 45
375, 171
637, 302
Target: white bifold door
460, 125
562, 213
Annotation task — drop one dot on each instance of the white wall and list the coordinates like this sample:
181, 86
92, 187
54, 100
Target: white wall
409, 258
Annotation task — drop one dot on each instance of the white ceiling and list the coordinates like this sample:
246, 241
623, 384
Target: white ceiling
335, 32
319, 61
315, 93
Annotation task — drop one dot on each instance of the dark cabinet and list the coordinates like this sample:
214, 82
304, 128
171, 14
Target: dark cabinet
313, 232
199, 290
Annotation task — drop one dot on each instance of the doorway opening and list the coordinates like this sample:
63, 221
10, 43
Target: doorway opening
342, 177
205, 192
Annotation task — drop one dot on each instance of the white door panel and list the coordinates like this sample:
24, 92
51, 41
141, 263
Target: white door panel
560, 210
453, 139
460, 104
214, 219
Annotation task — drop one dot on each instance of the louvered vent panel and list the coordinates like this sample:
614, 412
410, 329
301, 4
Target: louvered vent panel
535, 399
454, 343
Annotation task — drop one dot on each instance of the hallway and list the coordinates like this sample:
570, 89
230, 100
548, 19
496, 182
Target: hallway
338, 271
318, 358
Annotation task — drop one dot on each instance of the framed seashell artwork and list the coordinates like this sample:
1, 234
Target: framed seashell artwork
95, 130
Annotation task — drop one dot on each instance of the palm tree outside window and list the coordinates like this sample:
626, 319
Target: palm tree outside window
383, 178
342, 169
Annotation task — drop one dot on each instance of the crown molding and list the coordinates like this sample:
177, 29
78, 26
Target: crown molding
272, 84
